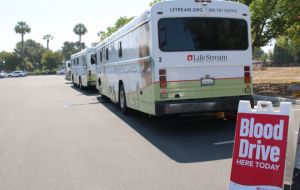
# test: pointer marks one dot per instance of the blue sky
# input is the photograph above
(58, 17)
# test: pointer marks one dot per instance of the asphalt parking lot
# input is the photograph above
(54, 136)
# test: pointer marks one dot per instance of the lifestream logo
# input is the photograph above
(207, 58)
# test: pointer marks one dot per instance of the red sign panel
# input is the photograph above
(259, 151)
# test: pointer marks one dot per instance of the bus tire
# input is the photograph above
(122, 100)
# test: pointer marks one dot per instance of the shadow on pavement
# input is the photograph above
(86, 91)
(184, 139)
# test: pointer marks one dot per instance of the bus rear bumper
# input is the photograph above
(200, 105)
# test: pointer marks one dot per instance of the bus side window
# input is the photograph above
(83, 61)
(101, 56)
(77, 61)
(93, 59)
(107, 57)
(120, 49)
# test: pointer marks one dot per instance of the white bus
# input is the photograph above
(179, 57)
(83, 68)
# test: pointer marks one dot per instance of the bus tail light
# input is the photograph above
(247, 69)
(247, 77)
(162, 72)
(162, 78)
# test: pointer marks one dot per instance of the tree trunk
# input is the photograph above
(48, 44)
(22, 45)
(79, 39)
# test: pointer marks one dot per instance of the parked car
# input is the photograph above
(61, 72)
(3, 74)
(17, 74)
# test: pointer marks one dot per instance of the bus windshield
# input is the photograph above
(202, 34)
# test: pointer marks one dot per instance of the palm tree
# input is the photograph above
(48, 37)
(22, 28)
(80, 30)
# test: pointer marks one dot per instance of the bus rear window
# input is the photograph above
(202, 34)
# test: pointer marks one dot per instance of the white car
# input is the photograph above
(16, 74)
(25, 73)
(61, 72)
(3, 74)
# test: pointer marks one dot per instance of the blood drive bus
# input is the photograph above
(178, 57)
(83, 68)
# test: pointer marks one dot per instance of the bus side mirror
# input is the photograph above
(69, 65)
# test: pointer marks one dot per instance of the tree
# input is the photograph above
(51, 60)
(9, 61)
(22, 28)
(258, 54)
(111, 29)
(122, 21)
(293, 36)
(48, 37)
(282, 54)
(153, 2)
(271, 18)
(70, 48)
(28, 66)
(80, 46)
(290, 42)
(32, 51)
(80, 30)
(104, 34)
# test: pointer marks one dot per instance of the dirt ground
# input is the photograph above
(274, 81)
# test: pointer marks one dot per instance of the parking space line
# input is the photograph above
(222, 143)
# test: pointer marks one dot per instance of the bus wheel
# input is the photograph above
(122, 100)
